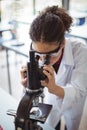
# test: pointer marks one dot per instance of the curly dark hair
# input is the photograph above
(50, 25)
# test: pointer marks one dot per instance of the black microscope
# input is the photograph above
(31, 111)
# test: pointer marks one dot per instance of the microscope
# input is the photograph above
(31, 111)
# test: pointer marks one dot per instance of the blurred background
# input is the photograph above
(15, 19)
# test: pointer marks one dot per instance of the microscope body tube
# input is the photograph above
(32, 72)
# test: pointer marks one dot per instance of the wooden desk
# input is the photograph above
(8, 102)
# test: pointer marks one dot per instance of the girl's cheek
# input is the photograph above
(53, 60)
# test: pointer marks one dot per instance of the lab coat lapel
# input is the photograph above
(67, 60)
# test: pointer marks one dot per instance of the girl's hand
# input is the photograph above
(23, 72)
(1, 128)
(49, 82)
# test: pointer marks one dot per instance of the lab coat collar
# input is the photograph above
(68, 55)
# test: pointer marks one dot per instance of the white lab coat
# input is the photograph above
(72, 76)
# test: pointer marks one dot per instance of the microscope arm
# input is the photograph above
(22, 116)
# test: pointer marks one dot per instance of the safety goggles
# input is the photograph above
(52, 53)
